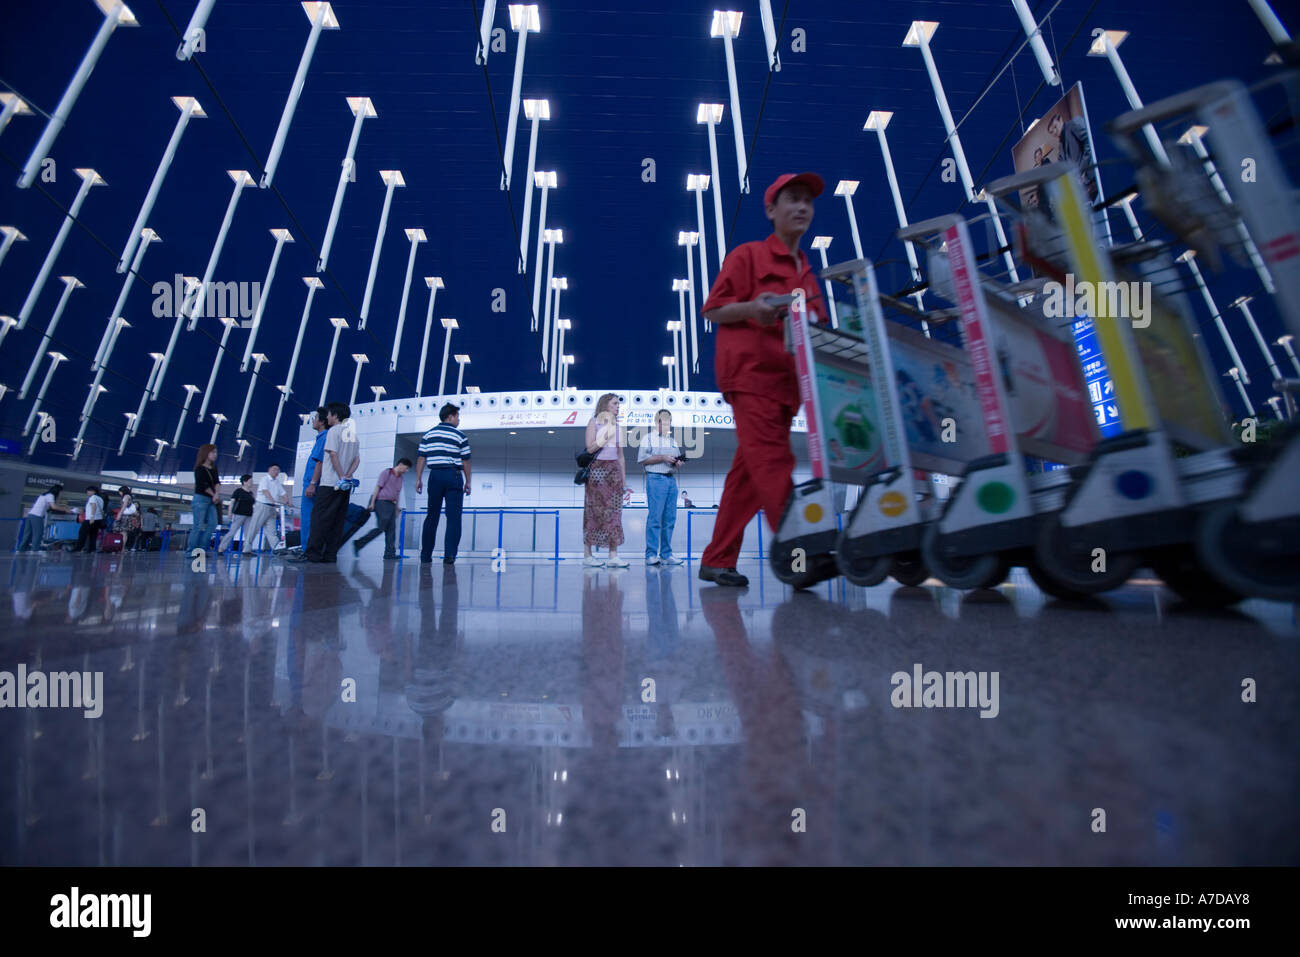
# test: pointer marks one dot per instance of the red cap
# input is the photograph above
(811, 180)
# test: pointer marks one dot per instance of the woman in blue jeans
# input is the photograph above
(206, 498)
(662, 457)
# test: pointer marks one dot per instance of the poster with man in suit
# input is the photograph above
(1061, 135)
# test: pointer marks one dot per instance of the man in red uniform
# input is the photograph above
(754, 372)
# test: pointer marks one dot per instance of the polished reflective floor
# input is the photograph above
(389, 713)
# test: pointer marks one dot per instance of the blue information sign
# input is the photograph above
(1101, 391)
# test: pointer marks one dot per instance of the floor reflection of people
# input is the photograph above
(23, 591)
(663, 638)
(432, 690)
(602, 661)
(595, 808)
(377, 623)
(79, 592)
(775, 779)
(314, 661)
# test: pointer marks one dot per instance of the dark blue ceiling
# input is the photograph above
(623, 83)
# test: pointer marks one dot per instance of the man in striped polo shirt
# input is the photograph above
(446, 449)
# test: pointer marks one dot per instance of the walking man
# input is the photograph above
(754, 371)
(383, 502)
(330, 510)
(270, 496)
(92, 522)
(446, 449)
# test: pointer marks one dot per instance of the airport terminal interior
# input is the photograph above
(957, 523)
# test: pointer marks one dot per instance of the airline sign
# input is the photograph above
(719, 417)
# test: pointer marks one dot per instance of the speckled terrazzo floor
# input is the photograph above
(504, 718)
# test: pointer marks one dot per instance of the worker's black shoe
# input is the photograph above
(723, 576)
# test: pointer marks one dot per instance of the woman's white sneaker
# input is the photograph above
(616, 562)
(591, 561)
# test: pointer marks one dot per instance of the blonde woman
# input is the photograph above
(602, 514)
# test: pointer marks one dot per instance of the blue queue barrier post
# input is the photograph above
(500, 513)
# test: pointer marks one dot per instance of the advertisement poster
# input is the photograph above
(1061, 135)
(1042, 380)
(850, 422)
(1188, 401)
(935, 383)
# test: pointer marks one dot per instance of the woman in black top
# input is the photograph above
(206, 498)
(241, 512)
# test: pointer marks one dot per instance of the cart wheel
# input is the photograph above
(1049, 585)
(866, 572)
(965, 571)
(781, 557)
(1184, 576)
(1258, 559)
(1065, 556)
(909, 572)
(819, 567)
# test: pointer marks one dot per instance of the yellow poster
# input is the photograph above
(1187, 403)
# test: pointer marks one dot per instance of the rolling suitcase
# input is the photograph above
(110, 541)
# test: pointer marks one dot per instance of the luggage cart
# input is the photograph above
(1222, 522)
(1134, 501)
(802, 552)
(1245, 526)
(883, 403)
(1031, 400)
(921, 402)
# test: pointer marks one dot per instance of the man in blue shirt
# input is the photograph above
(312, 473)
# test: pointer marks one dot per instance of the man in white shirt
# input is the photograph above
(267, 501)
(92, 522)
(662, 457)
(330, 509)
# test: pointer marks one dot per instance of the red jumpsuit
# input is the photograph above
(757, 378)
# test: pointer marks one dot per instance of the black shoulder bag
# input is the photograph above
(584, 460)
